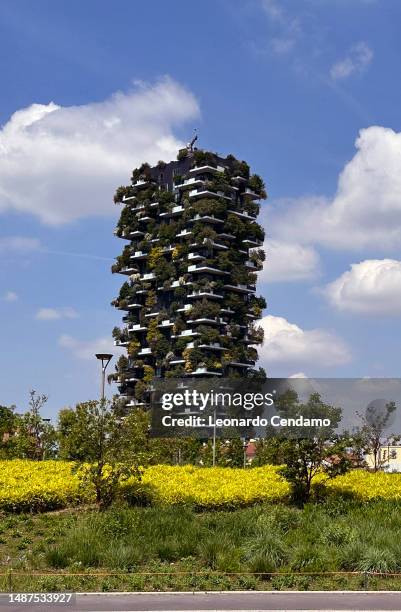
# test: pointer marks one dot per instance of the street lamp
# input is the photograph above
(105, 358)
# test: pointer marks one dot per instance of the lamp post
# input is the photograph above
(105, 358)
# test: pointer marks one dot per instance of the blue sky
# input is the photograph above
(286, 85)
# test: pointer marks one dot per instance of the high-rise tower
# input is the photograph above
(192, 253)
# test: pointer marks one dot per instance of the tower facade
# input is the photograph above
(193, 248)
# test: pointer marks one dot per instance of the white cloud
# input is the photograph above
(298, 375)
(64, 163)
(87, 349)
(366, 209)
(357, 60)
(287, 28)
(18, 244)
(372, 287)
(10, 296)
(51, 314)
(287, 261)
(286, 343)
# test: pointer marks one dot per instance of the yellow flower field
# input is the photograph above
(214, 487)
(366, 485)
(38, 485)
(48, 485)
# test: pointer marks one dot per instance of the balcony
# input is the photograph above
(139, 255)
(204, 242)
(185, 308)
(134, 305)
(251, 265)
(207, 321)
(207, 294)
(204, 372)
(128, 270)
(214, 346)
(227, 236)
(248, 193)
(184, 233)
(239, 364)
(205, 219)
(199, 269)
(227, 311)
(206, 193)
(128, 198)
(121, 342)
(177, 361)
(137, 327)
(145, 351)
(195, 257)
(206, 168)
(136, 234)
(186, 333)
(166, 323)
(149, 315)
(190, 182)
(146, 218)
(141, 184)
(138, 208)
(243, 214)
(148, 276)
(133, 403)
(253, 242)
(176, 210)
(241, 288)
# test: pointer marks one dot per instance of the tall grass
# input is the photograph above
(262, 539)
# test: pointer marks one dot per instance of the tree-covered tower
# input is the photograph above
(190, 262)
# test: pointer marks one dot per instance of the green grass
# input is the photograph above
(188, 550)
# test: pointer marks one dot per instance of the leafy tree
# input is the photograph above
(8, 425)
(35, 437)
(96, 438)
(323, 451)
(372, 435)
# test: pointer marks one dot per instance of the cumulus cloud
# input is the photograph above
(371, 287)
(287, 344)
(10, 296)
(286, 261)
(366, 209)
(18, 244)
(64, 163)
(51, 314)
(86, 349)
(356, 62)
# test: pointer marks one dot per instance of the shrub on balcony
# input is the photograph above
(165, 197)
(182, 154)
(164, 270)
(167, 232)
(142, 173)
(204, 158)
(256, 334)
(255, 231)
(148, 374)
(208, 334)
(204, 309)
(209, 206)
(258, 256)
(153, 335)
(121, 192)
(257, 185)
(116, 333)
(234, 225)
(134, 348)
